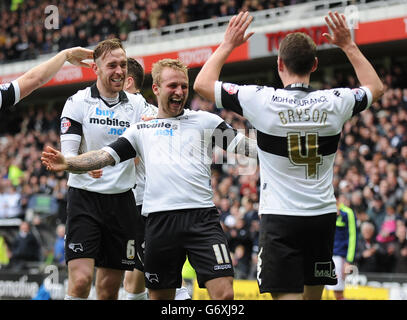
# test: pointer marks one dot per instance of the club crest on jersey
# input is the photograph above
(230, 88)
(4, 86)
(65, 124)
(359, 94)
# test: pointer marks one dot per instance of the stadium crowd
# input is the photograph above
(85, 23)
(370, 171)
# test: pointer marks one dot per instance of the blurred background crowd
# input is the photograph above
(85, 22)
(370, 172)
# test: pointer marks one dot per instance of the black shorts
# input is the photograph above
(140, 240)
(102, 227)
(173, 235)
(295, 251)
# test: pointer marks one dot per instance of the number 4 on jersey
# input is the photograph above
(308, 157)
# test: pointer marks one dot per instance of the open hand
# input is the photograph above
(341, 35)
(76, 56)
(53, 160)
(235, 32)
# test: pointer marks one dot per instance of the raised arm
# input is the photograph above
(341, 37)
(234, 36)
(54, 160)
(41, 74)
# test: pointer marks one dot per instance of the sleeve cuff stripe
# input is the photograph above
(218, 94)
(369, 96)
(112, 153)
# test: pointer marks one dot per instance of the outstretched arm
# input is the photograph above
(54, 160)
(341, 37)
(234, 37)
(41, 74)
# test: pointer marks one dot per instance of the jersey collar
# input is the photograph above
(299, 86)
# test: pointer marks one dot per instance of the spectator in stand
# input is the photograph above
(368, 252)
(377, 211)
(59, 245)
(344, 245)
(12, 202)
(25, 248)
(240, 243)
(400, 248)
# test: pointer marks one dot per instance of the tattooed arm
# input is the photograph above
(91, 160)
(54, 160)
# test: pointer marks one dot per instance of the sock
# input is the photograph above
(182, 294)
(67, 297)
(137, 296)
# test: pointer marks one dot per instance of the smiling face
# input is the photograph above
(171, 91)
(111, 70)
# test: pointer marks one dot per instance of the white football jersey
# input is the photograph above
(298, 130)
(177, 154)
(140, 169)
(92, 123)
(9, 94)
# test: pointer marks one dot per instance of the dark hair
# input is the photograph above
(106, 46)
(298, 52)
(136, 71)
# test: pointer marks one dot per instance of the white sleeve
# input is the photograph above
(70, 145)
(73, 109)
(16, 91)
(248, 101)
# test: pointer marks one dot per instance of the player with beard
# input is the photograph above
(181, 217)
(101, 226)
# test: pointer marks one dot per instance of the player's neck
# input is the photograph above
(292, 79)
(106, 93)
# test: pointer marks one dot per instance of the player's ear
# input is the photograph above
(128, 83)
(280, 64)
(155, 89)
(315, 66)
(94, 67)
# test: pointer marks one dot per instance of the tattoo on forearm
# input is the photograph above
(88, 161)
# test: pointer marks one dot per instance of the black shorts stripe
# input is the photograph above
(279, 145)
(123, 148)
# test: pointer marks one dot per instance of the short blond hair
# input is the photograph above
(167, 63)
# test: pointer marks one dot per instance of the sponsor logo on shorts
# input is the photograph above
(128, 262)
(324, 270)
(75, 247)
(222, 266)
(152, 277)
